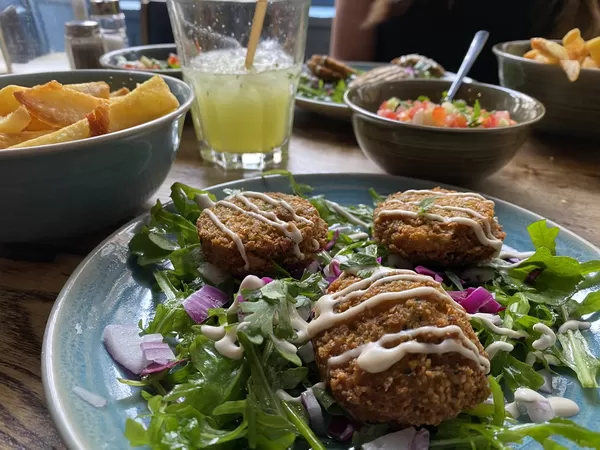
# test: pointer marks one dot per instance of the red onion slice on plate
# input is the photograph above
(198, 303)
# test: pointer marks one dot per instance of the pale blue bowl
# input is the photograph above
(60, 190)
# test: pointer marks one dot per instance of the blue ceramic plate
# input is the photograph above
(107, 288)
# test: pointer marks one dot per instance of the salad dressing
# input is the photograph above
(546, 340)
(498, 346)
(532, 357)
(573, 325)
(529, 401)
(212, 332)
(491, 321)
(227, 346)
(345, 214)
(485, 236)
(234, 237)
(375, 357)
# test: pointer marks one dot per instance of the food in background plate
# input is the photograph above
(53, 113)
(456, 114)
(327, 78)
(145, 63)
(573, 55)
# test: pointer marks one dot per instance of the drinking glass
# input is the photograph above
(242, 117)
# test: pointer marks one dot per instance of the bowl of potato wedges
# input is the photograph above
(563, 74)
(82, 150)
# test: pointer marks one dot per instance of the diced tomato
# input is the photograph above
(403, 116)
(490, 122)
(388, 114)
(439, 116)
(460, 121)
(502, 115)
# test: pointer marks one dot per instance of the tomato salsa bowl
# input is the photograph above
(469, 141)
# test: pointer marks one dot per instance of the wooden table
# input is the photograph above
(557, 179)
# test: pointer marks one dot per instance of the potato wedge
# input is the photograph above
(571, 68)
(593, 46)
(78, 130)
(151, 100)
(38, 125)
(531, 54)
(57, 105)
(119, 93)
(10, 139)
(16, 121)
(589, 63)
(8, 102)
(98, 89)
(549, 48)
(545, 59)
(571, 36)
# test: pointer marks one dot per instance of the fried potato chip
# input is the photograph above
(10, 139)
(16, 121)
(99, 89)
(8, 102)
(531, 54)
(78, 130)
(151, 100)
(38, 125)
(571, 36)
(549, 48)
(119, 93)
(571, 68)
(57, 105)
(545, 59)
(589, 63)
(593, 46)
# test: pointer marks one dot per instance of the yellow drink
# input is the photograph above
(243, 111)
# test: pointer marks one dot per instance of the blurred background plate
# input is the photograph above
(157, 51)
(109, 288)
(340, 110)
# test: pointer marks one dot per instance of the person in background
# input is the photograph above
(381, 30)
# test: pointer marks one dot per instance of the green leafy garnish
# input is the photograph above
(426, 204)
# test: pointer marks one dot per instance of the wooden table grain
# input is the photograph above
(559, 179)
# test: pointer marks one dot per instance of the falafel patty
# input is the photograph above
(439, 226)
(248, 232)
(408, 353)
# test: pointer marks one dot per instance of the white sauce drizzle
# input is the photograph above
(249, 283)
(288, 229)
(373, 357)
(345, 214)
(546, 340)
(490, 321)
(573, 325)
(540, 408)
(204, 201)
(234, 237)
(498, 346)
(227, 346)
(563, 407)
(358, 236)
(532, 357)
(316, 245)
(213, 333)
(509, 252)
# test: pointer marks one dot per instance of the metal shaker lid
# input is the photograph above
(104, 7)
(82, 28)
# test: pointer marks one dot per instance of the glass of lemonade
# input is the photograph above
(242, 117)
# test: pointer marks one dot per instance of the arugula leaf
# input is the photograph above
(589, 305)
(146, 249)
(498, 396)
(301, 190)
(476, 115)
(543, 236)
(516, 373)
(426, 204)
(363, 257)
(184, 198)
(169, 321)
(590, 267)
(575, 353)
(136, 433)
(173, 224)
(454, 279)
(377, 198)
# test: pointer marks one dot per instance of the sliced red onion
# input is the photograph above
(400, 440)
(155, 367)
(213, 274)
(530, 279)
(152, 338)
(158, 355)
(379, 260)
(151, 345)
(123, 343)
(267, 280)
(93, 399)
(332, 242)
(421, 440)
(476, 300)
(340, 428)
(513, 260)
(332, 271)
(198, 303)
(313, 267)
(425, 271)
(307, 352)
(315, 413)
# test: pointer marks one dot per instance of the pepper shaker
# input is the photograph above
(112, 23)
(83, 43)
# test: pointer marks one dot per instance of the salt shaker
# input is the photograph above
(112, 23)
(83, 44)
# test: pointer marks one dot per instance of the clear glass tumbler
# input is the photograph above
(243, 117)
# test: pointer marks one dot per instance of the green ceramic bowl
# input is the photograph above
(571, 107)
(442, 154)
(157, 51)
(56, 191)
